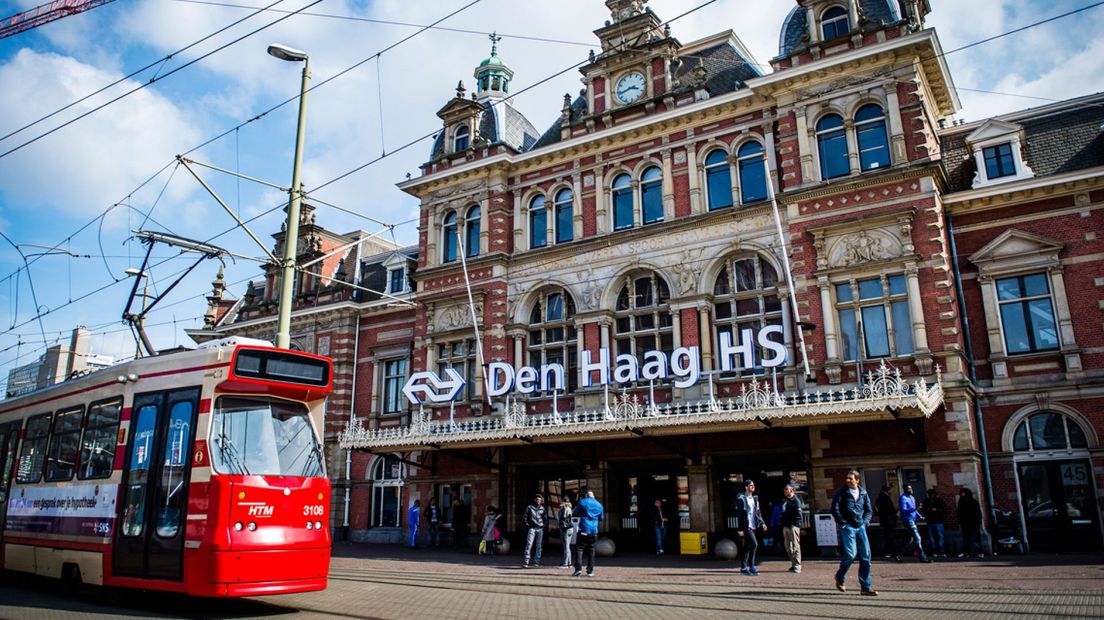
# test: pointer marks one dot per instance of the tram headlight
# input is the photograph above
(238, 526)
(252, 527)
(310, 526)
(317, 525)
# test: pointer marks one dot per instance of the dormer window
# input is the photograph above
(461, 140)
(396, 279)
(998, 161)
(834, 23)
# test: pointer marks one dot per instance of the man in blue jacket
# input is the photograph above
(909, 515)
(852, 511)
(589, 512)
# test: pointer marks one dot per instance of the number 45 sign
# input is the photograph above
(1074, 473)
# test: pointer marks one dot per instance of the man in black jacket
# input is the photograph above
(791, 526)
(659, 522)
(969, 519)
(852, 510)
(886, 509)
(534, 537)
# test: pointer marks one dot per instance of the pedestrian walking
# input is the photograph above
(749, 521)
(969, 520)
(534, 536)
(590, 512)
(461, 522)
(909, 515)
(659, 522)
(935, 511)
(852, 510)
(489, 535)
(566, 519)
(886, 509)
(791, 526)
(433, 520)
(413, 517)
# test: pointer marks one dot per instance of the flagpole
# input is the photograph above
(471, 306)
(786, 264)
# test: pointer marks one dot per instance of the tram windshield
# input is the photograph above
(259, 436)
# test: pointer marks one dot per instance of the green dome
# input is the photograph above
(493, 60)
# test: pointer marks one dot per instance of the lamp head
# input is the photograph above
(284, 52)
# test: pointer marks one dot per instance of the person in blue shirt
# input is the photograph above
(413, 517)
(589, 512)
(909, 514)
(852, 510)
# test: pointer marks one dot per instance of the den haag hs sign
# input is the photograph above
(683, 364)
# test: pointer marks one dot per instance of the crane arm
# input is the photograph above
(44, 14)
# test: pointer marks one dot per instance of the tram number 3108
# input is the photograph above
(313, 511)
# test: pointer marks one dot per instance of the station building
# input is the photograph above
(935, 286)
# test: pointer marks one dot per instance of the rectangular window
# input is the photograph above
(460, 356)
(834, 160)
(61, 456)
(397, 278)
(998, 161)
(32, 455)
(622, 209)
(1027, 314)
(97, 452)
(877, 324)
(394, 376)
(651, 199)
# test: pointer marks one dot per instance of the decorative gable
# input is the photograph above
(1009, 138)
(1015, 251)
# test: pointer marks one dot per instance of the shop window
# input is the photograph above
(873, 141)
(460, 356)
(622, 202)
(874, 318)
(999, 161)
(387, 485)
(538, 223)
(651, 195)
(32, 454)
(552, 335)
(753, 172)
(61, 457)
(642, 320)
(565, 216)
(471, 232)
(718, 180)
(462, 139)
(1048, 431)
(394, 376)
(1027, 314)
(832, 147)
(834, 23)
(97, 452)
(745, 296)
(448, 238)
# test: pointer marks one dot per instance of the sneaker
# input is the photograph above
(896, 558)
(840, 586)
(887, 557)
(744, 570)
(869, 592)
(525, 566)
(577, 573)
(795, 569)
(961, 555)
(754, 571)
(590, 574)
(981, 556)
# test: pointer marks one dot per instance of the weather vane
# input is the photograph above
(494, 43)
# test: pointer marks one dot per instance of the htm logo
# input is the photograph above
(261, 511)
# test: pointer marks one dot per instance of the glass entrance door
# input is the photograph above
(1059, 505)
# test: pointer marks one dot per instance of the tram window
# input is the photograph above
(264, 437)
(171, 503)
(97, 452)
(134, 511)
(61, 456)
(32, 456)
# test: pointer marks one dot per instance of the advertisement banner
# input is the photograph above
(82, 510)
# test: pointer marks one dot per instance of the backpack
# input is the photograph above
(566, 522)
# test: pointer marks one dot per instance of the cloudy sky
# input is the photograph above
(121, 158)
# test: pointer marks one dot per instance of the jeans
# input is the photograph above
(972, 535)
(792, 540)
(413, 536)
(935, 535)
(750, 550)
(916, 540)
(585, 546)
(434, 534)
(534, 537)
(661, 536)
(566, 536)
(854, 543)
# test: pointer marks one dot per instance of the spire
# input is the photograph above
(492, 76)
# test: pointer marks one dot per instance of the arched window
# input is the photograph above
(745, 296)
(552, 335)
(538, 223)
(1048, 431)
(651, 195)
(870, 130)
(565, 216)
(622, 202)
(753, 172)
(718, 180)
(461, 139)
(832, 147)
(387, 483)
(643, 321)
(834, 23)
(471, 232)
(448, 238)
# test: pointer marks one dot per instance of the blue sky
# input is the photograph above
(54, 186)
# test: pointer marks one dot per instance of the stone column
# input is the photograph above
(519, 348)
(896, 127)
(521, 225)
(577, 206)
(916, 309)
(601, 203)
(806, 141)
(700, 510)
(705, 328)
(694, 177)
(832, 364)
(668, 187)
(852, 146)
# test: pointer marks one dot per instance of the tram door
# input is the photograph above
(149, 536)
(9, 436)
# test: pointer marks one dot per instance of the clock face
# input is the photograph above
(630, 87)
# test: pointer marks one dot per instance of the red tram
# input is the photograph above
(198, 472)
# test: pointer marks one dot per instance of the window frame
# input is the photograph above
(468, 360)
(56, 435)
(538, 232)
(89, 429)
(830, 134)
(568, 344)
(760, 294)
(833, 21)
(25, 444)
(383, 483)
(620, 192)
(463, 132)
(744, 162)
(391, 385)
(866, 128)
(472, 228)
(1029, 435)
(402, 280)
(563, 206)
(654, 187)
(999, 159)
(1023, 301)
(658, 309)
(887, 301)
(450, 246)
(717, 168)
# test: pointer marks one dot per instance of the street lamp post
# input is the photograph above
(291, 235)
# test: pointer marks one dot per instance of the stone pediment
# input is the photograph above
(993, 129)
(397, 260)
(1016, 250)
(459, 108)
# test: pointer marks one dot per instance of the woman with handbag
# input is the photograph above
(567, 532)
(490, 533)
